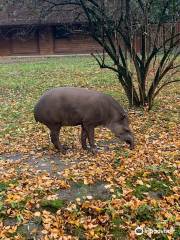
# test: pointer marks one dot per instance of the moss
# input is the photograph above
(118, 191)
(117, 162)
(3, 186)
(41, 193)
(145, 213)
(52, 205)
(161, 187)
(18, 205)
(176, 234)
(117, 221)
(161, 237)
(157, 182)
(2, 210)
(162, 171)
(21, 204)
(79, 232)
(119, 233)
(140, 190)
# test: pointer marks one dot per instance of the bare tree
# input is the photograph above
(117, 25)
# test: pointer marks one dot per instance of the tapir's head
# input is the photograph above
(121, 130)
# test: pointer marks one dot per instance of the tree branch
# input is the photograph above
(101, 62)
(165, 84)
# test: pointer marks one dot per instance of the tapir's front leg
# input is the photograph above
(83, 138)
(90, 135)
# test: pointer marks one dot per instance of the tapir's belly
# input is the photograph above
(70, 115)
(70, 119)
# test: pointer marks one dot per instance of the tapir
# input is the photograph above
(72, 106)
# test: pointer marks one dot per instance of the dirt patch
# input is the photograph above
(53, 165)
(82, 191)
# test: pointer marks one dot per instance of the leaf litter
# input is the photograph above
(46, 195)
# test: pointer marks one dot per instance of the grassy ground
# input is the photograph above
(80, 196)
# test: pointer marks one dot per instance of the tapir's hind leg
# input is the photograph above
(54, 134)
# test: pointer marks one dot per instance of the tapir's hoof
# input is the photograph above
(65, 147)
(84, 147)
(131, 147)
(61, 149)
(94, 150)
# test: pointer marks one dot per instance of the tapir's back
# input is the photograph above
(71, 95)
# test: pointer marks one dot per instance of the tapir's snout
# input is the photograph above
(130, 140)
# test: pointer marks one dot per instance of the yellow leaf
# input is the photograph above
(140, 182)
(37, 214)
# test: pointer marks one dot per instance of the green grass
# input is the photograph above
(177, 232)
(21, 85)
(5, 185)
(158, 183)
(19, 205)
(145, 213)
(119, 233)
(159, 187)
(52, 205)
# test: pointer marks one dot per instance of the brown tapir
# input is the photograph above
(71, 106)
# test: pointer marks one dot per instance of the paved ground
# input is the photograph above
(32, 58)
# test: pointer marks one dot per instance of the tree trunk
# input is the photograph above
(130, 91)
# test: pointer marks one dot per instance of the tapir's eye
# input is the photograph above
(122, 116)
